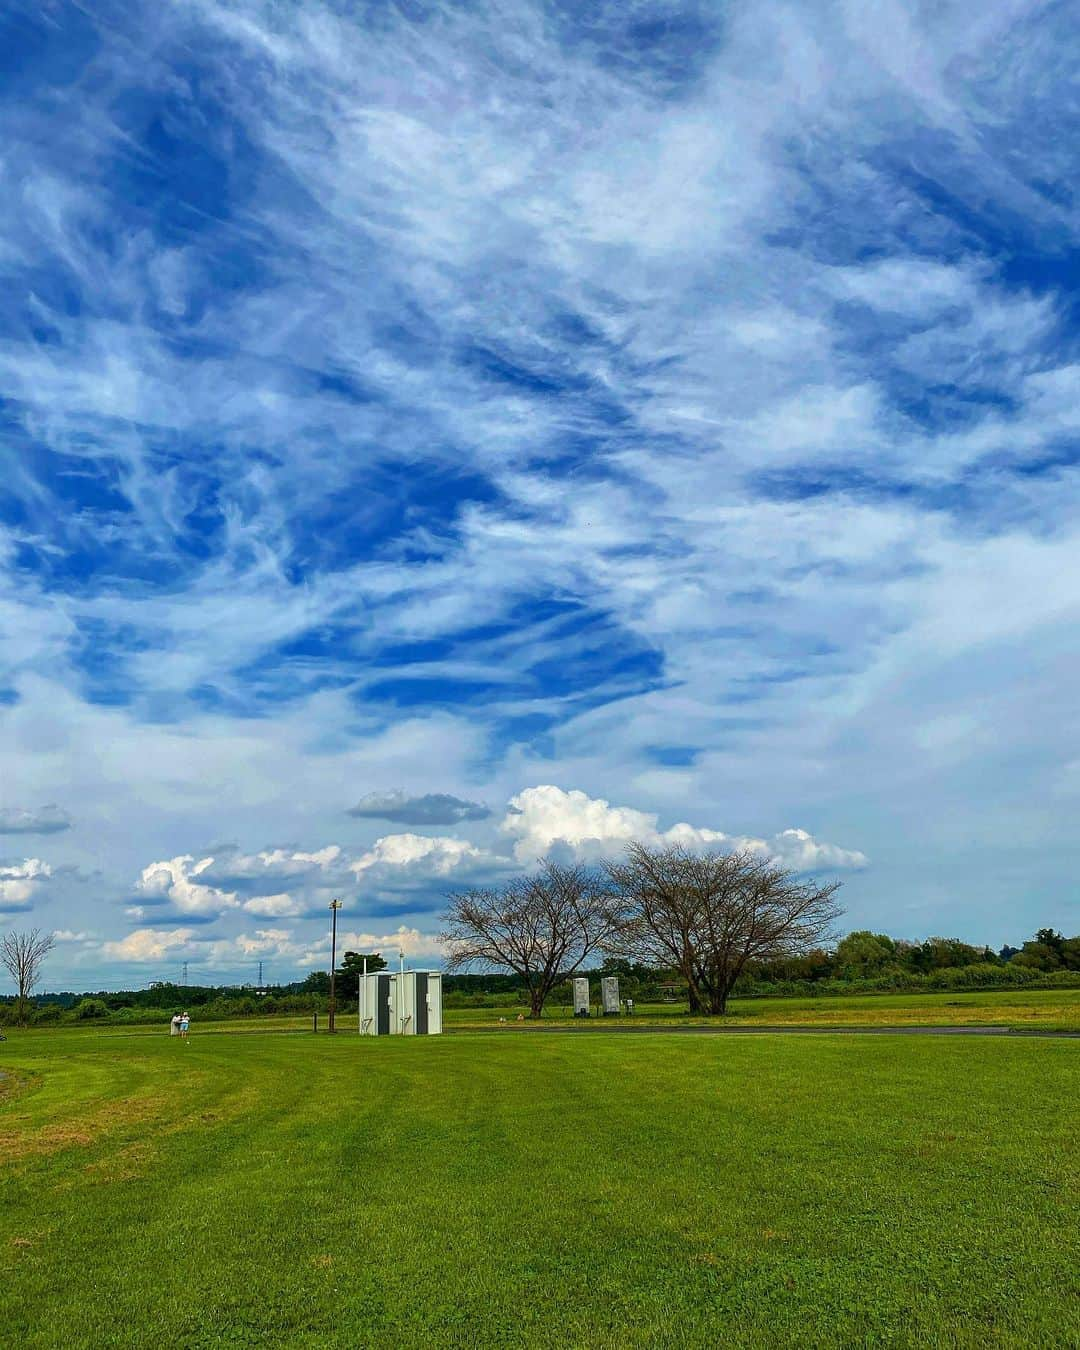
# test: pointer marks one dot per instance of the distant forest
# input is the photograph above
(862, 962)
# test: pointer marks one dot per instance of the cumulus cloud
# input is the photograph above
(20, 882)
(233, 882)
(149, 944)
(541, 817)
(433, 808)
(233, 868)
(544, 819)
(265, 942)
(175, 881)
(405, 939)
(273, 906)
(412, 941)
(49, 819)
(418, 855)
(801, 851)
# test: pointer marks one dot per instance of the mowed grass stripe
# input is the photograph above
(532, 1190)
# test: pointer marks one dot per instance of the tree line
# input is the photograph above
(670, 922)
(23, 955)
(705, 916)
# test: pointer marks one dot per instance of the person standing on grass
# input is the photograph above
(185, 1022)
(174, 1024)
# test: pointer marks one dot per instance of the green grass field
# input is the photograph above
(1029, 1009)
(494, 1189)
(1046, 1009)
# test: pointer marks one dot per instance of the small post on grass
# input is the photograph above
(335, 905)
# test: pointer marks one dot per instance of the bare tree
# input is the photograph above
(22, 955)
(709, 915)
(541, 927)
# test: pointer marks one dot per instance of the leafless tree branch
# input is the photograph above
(541, 927)
(709, 915)
(22, 955)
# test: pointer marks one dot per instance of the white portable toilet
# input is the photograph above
(401, 1003)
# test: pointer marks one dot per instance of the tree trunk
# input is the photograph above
(718, 1002)
(536, 1003)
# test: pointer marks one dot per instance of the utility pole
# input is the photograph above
(335, 905)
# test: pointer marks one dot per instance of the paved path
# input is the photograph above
(624, 1029)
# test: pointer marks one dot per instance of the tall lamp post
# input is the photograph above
(335, 905)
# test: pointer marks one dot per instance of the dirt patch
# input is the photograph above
(13, 1085)
(126, 1164)
(126, 1133)
(18, 1138)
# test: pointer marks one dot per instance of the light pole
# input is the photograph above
(335, 905)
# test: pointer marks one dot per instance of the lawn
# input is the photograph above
(494, 1189)
(1024, 1008)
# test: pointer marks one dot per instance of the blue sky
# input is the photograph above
(434, 435)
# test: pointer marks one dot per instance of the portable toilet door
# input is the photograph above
(434, 1002)
(418, 1025)
(373, 995)
(407, 1009)
(379, 1004)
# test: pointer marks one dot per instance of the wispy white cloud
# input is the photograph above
(509, 398)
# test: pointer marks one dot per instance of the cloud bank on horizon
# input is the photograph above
(399, 870)
(668, 405)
